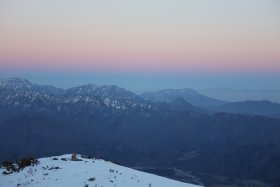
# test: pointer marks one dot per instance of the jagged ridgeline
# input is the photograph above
(118, 125)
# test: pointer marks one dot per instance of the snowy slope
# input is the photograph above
(61, 171)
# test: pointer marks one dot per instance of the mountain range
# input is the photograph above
(236, 95)
(190, 95)
(264, 107)
(115, 124)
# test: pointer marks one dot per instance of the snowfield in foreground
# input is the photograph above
(60, 171)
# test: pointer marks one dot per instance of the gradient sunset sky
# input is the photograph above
(152, 43)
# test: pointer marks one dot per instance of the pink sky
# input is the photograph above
(148, 36)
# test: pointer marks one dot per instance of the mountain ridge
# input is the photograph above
(263, 107)
(139, 133)
(190, 95)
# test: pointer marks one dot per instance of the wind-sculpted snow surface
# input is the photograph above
(62, 171)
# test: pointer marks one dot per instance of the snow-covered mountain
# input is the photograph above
(17, 92)
(19, 84)
(118, 125)
(15, 84)
(106, 91)
(84, 172)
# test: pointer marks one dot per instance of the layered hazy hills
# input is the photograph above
(190, 95)
(21, 93)
(236, 95)
(264, 107)
(21, 90)
(195, 100)
(118, 125)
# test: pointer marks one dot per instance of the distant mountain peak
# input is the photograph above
(15, 83)
(262, 107)
(90, 85)
(86, 89)
(16, 80)
(105, 91)
(181, 91)
(20, 93)
(189, 95)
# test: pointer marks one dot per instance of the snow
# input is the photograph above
(107, 101)
(50, 172)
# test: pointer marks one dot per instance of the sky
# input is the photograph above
(142, 45)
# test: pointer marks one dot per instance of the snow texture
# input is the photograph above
(61, 171)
